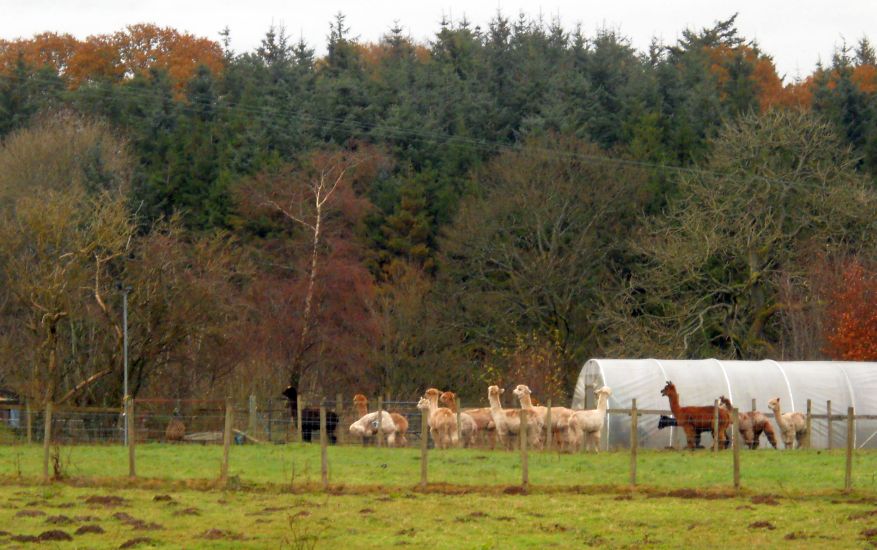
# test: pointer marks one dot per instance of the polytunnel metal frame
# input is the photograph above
(701, 381)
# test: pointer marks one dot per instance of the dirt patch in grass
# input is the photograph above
(406, 532)
(762, 525)
(59, 520)
(623, 497)
(863, 515)
(219, 534)
(514, 490)
(83, 519)
(85, 529)
(301, 514)
(188, 512)
(108, 501)
(366, 511)
(54, 534)
(131, 543)
(5, 533)
(29, 513)
(24, 538)
(137, 524)
(162, 498)
(694, 493)
(504, 518)
(770, 500)
(869, 533)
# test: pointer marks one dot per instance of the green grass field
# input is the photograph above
(274, 499)
(793, 472)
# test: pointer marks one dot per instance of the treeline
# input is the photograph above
(496, 205)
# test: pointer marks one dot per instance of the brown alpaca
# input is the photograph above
(696, 420)
(792, 425)
(175, 428)
(751, 425)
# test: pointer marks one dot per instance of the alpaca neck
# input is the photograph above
(781, 422)
(433, 403)
(452, 404)
(361, 409)
(526, 403)
(495, 405)
(674, 402)
(602, 404)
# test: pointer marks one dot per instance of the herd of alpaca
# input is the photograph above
(699, 419)
(570, 428)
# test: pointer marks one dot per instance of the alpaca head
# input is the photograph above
(448, 398)
(432, 394)
(604, 391)
(669, 389)
(521, 390)
(495, 391)
(774, 403)
(423, 404)
(360, 399)
(725, 402)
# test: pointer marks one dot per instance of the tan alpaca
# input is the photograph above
(501, 420)
(792, 425)
(751, 425)
(585, 426)
(442, 421)
(360, 403)
(559, 415)
(536, 416)
(468, 426)
(367, 425)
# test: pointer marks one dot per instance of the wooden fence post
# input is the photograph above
(525, 467)
(380, 421)
(634, 440)
(809, 420)
(459, 424)
(549, 433)
(828, 412)
(324, 443)
(715, 426)
(299, 405)
(339, 410)
(47, 440)
(735, 446)
(28, 421)
(132, 437)
(226, 440)
(252, 415)
(753, 405)
(851, 436)
(424, 446)
(270, 418)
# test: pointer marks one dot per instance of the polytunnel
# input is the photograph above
(700, 382)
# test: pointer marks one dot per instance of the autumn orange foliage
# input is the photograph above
(851, 327)
(116, 56)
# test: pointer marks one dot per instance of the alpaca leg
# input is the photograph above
(596, 439)
(691, 435)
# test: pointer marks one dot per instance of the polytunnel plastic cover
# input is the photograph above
(700, 382)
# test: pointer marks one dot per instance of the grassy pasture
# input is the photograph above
(792, 472)
(250, 519)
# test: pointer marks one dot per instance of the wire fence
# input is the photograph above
(253, 428)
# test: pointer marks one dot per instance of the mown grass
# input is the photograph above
(246, 519)
(786, 472)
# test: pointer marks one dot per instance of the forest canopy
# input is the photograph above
(495, 205)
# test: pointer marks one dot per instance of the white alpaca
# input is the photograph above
(508, 421)
(793, 425)
(360, 403)
(535, 418)
(367, 426)
(442, 421)
(586, 425)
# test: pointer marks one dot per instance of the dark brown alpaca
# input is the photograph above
(696, 420)
(752, 424)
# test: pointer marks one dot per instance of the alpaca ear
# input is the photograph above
(502, 390)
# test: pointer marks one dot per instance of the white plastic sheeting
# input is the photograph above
(700, 382)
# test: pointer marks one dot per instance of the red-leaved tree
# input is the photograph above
(851, 327)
